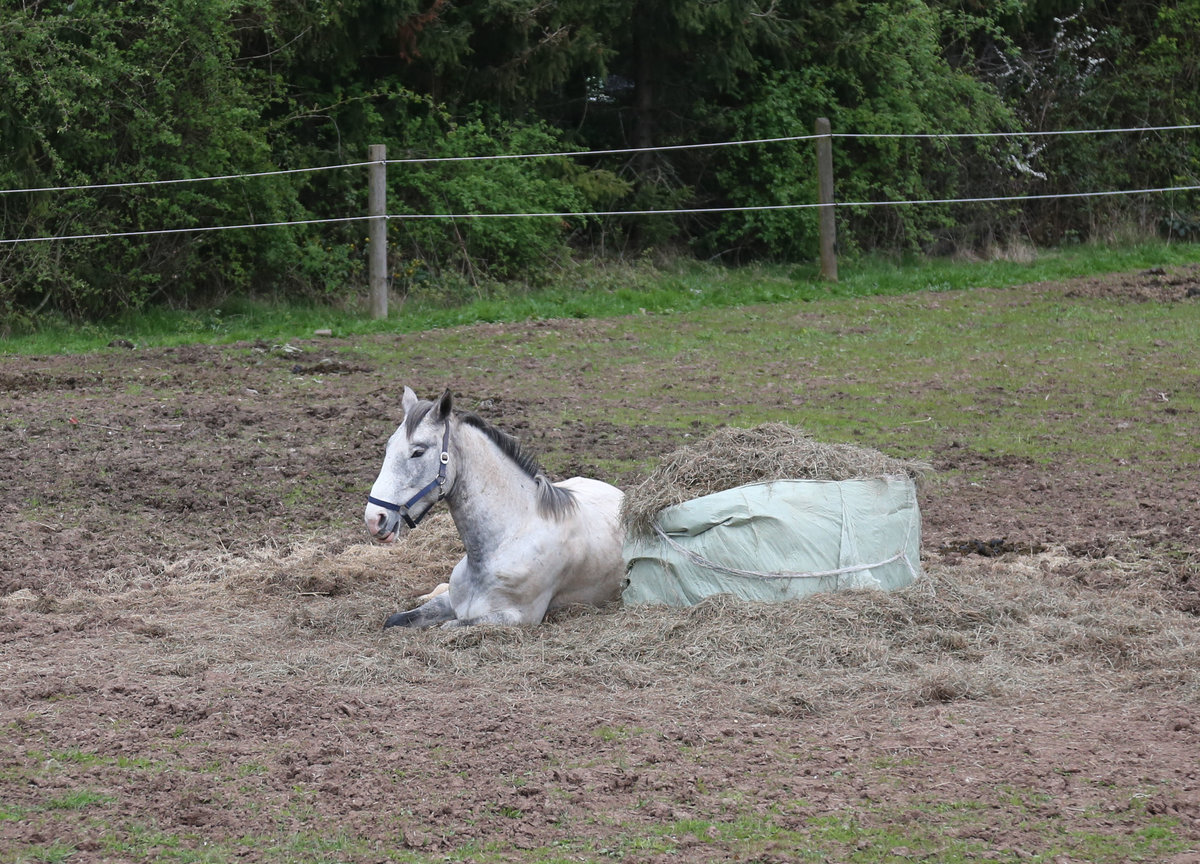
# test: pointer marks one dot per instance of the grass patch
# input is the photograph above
(889, 838)
(594, 291)
(884, 840)
(48, 853)
(902, 374)
(79, 799)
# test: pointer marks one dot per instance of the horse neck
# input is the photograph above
(492, 496)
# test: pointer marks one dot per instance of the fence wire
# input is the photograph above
(593, 213)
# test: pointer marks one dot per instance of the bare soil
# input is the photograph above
(191, 666)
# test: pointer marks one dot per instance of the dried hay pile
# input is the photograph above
(735, 457)
(1048, 626)
(1018, 628)
(319, 568)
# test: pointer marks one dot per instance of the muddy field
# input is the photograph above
(191, 666)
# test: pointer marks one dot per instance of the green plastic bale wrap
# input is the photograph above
(779, 540)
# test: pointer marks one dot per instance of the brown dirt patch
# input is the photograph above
(191, 665)
(1156, 285)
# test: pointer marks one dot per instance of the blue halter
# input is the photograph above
(436, 483)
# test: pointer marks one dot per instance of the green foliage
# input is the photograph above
(1103, 65)
(481, 249)
(94, 92)
(99, 93)
(920, 93)
(775, 174)
(889, 75)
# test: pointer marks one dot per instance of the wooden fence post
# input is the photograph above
(826, 223)
(377, 257)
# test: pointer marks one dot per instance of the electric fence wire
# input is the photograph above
(592, 213)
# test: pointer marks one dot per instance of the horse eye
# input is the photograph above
(418, 452)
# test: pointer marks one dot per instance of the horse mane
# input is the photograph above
(553, 500)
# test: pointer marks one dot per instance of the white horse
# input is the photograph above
(532, 545)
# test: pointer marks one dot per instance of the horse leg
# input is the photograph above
(436, 611)
(500, 618)
(505, 618)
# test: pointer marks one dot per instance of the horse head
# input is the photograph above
(416, 471)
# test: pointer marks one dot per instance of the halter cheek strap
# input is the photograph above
(437, 482)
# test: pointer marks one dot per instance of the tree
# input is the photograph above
(98, 93)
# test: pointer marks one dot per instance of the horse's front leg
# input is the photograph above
(503, 612)
(436, 611)
(502, 618)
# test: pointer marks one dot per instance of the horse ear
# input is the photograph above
(444, 404)
(408, 401)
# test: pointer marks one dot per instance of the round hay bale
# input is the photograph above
(770, 514)
(736, 457)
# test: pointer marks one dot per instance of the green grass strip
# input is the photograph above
(592, 291)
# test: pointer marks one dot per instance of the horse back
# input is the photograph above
(594, 495)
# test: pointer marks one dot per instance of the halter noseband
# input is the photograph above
(436, 483)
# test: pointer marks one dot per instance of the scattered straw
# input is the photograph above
(734, 457)
(984, 629)
(1049, 626)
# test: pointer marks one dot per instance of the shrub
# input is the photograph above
(124, 93)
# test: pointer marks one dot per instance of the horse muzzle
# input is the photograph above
(384, 525)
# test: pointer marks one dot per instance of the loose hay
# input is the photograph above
(1014, 628)
(425, 558)
(981, 630)
(734, 457)
(1028, 627)
(315, 566)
